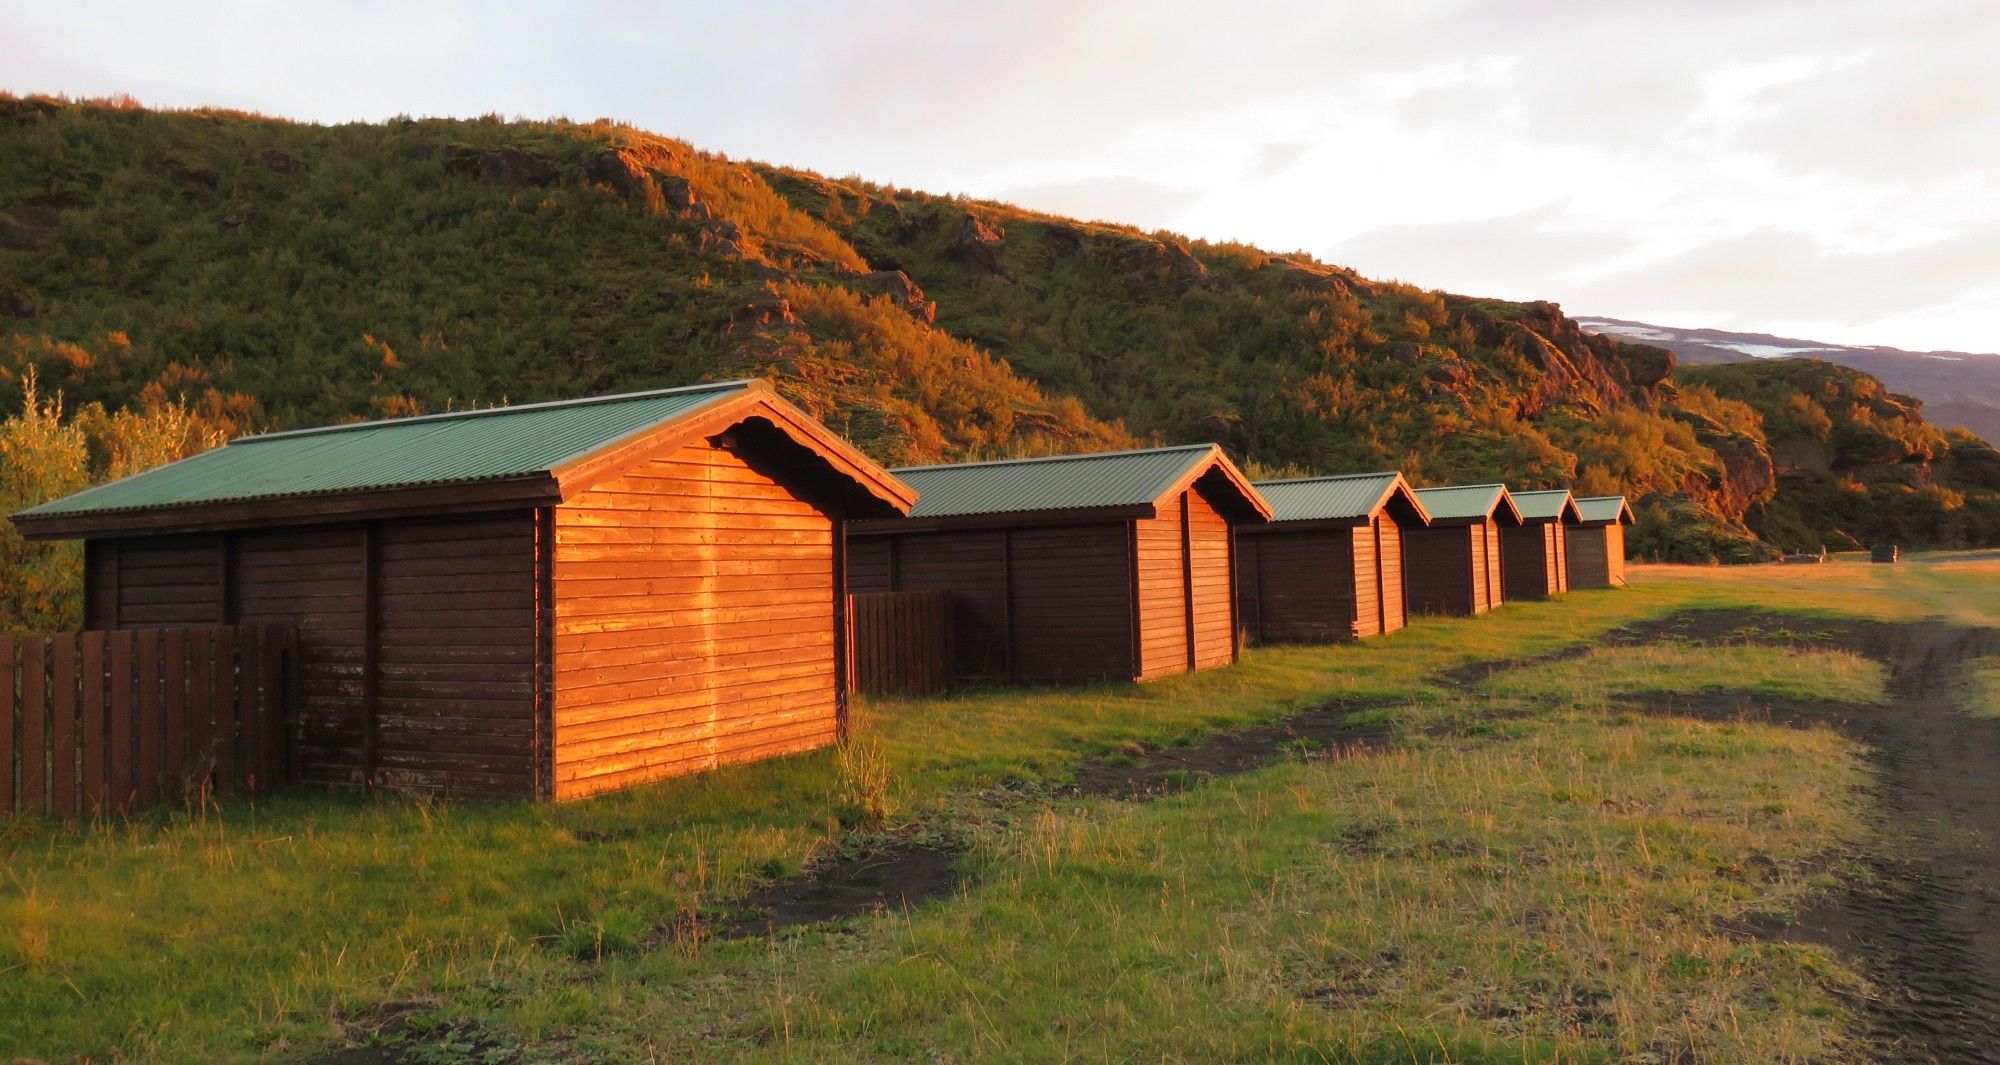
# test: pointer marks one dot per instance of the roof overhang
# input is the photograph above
(847, 479)
(1226, 487)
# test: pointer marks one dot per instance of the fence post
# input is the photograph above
(8, 713)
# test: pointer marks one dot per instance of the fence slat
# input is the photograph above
(95, 792)
(174, 668)
(222, 724)
(201, 689)
(901, 642)
(147, 709)
(34, 724)
(62, 725)
(246, 739)
(124, 783)
(8, 705)
(271, 762)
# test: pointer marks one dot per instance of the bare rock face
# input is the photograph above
(723, 237)
(981, 245)
(1168, 260)
(764, 312)
(1644, 364)
(615, 171)
(508, 168)
(897, 286)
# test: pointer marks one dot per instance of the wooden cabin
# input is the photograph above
(1597, 542)
(1534, 555)
(548, 600)
(1329, 564)
(1115, 566)
(1452, 564)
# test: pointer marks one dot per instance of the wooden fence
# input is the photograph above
(901, 642)
(106, 722)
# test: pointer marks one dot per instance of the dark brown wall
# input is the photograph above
(1589, 555)
(1039, 604)
(452, 614)
(1438, 572)
(1301, 585)
(1530, 560)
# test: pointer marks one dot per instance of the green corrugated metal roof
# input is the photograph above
(434, 449)
(1541, 506)
(1601, 508)
(1461, 502)
(1061, 482)
(1341, 498)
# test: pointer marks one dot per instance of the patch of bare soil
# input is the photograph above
(1325, 731)
(891, 877)
(1925, 925)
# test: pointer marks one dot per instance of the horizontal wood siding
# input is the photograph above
(1298, 586)
(1214, 598)
(1588, 556)
(1485, 567)
(455, 658)
(169, 580)
(1527, 561)
(1438, 569)
(1363, 575)
(868, 568)
(1072, 613)
(1614, 555)
(1162, 595)
(314, 581)
(1395, 611)
(694, 623)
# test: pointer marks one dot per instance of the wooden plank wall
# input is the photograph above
(1528, 560)
(972, 565)
(1070, 614)
(902, 642)
(1438, 567)
(170, 580)
(1187, 609)
(694, 627)
(1486, 587)
(454, 662)
(1213, 596)
(1614, 555)
(1588, 556)
(314, 580)
(1300, 586)
(1395, 612)
(104, 722)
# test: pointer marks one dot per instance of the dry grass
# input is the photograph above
(1835, 676)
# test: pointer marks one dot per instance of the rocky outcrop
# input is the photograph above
(1165, 261)
(763, 312)
(981, 245)
(507, 167)
(897, 285)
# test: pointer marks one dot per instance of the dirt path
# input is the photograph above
(1926, 928)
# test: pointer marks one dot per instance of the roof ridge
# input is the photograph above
(459, 415)
(900, 470)
(1327, 477)
(1455, 487)
(1582, 498)
(1539, 492)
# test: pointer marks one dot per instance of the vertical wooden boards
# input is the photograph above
(902, 642)
(96, 791)
(9, 713)
(149, 715)
(123, 779)
(62, 725)
(972, 565)
(695, 619)
(34, 722)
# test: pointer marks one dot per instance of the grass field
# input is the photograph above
(1524, 876)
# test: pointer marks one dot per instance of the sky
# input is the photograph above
(1824, 169)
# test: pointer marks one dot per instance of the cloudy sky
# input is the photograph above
(1827, 169)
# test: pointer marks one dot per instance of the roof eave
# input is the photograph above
(527, 490)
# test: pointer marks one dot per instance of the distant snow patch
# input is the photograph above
(1767, 351)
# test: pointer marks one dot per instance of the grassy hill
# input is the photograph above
(264, 272)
